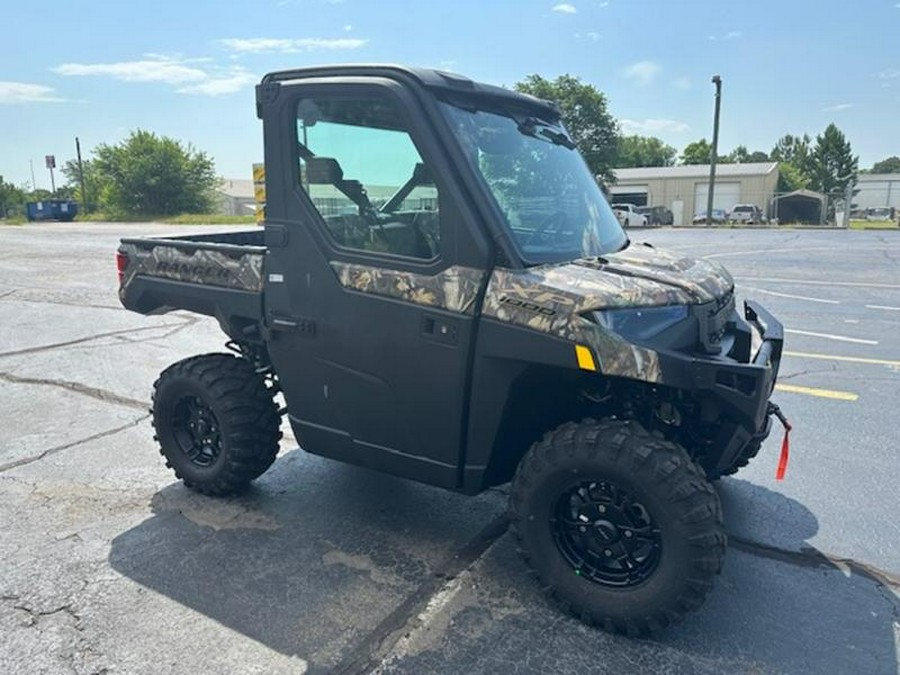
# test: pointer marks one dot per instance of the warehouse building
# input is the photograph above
(684, 189)
(877, 190)
(234, 197)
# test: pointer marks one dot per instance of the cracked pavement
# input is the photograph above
(107, 565)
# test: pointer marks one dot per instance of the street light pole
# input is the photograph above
(714, 153)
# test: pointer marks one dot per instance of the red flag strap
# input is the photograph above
(785, 444)
(785, 454)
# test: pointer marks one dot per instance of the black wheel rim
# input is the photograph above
(196, 431)
(606, 534)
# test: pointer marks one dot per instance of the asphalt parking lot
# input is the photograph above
(107, 565)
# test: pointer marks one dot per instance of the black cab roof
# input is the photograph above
(436, 80)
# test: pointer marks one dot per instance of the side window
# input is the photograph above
(363, 173)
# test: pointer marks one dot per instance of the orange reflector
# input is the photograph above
(585, 358)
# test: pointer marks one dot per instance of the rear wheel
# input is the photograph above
(621, 527)
(216, 422)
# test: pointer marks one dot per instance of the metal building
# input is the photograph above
(684, 189)
(876, 190)
(234, 197)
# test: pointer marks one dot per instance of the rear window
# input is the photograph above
(739, 209)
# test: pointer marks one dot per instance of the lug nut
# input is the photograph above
(601, 508)
(607, 553)
(628, 534)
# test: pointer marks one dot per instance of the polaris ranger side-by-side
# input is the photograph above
(441, 292)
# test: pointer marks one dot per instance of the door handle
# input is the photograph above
(306, 327)
(439, 329)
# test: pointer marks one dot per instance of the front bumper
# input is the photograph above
(741, 389)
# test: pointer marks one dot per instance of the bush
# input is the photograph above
(148, 174)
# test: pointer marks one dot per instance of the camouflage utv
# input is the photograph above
(441, 292)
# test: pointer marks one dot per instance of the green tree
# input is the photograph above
(793, 149)
(832, 162)
(11, 198)
(794, 157)
(737, 156)
(584, 112)
(148, 174)
(889, 165)
(697, 152)
(791, 178)
(644, 151)
(93, 182)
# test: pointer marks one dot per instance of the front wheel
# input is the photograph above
(621, 527)
(216, 422)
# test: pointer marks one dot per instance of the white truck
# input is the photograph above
(628, 215)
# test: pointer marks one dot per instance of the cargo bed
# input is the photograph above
(219, 275)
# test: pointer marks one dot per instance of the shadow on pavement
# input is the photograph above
(799, 614)
(318, 553)
(309, 560)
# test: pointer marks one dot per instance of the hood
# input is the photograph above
(698, 280)
(549, 297)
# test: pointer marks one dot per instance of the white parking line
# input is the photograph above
(788, 295)
(890, 309)
(829, 336)
(769, 251)
(801, 282)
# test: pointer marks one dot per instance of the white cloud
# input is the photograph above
(730, 35)
(603, 4)
(185, 74)
(653, 126)
(154, 69)
(682, 83)
(888, 74)
(24, 92)
(289, 45)
(642, 72)
(218, 85)
(593, 36)
(838, 106)
(348, 27)
(564, 8)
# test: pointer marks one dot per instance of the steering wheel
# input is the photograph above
(541, 233)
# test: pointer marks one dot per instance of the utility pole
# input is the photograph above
(33, 184)
(84, 199)
(716, 80)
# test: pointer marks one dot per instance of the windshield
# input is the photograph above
(549, 199)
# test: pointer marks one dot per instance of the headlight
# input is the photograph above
(642, 323)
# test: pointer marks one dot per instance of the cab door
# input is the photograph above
(374, 275)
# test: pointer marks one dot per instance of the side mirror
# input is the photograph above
(323, 171)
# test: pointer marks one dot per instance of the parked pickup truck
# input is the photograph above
(629, 216)
(747, 214)
(441, 292)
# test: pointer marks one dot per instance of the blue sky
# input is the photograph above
(186, 69)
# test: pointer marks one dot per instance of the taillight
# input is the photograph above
(121, 264)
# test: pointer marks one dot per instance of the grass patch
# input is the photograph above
(873, 225)
(183, 219)
(13, 220)
(209, 219)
